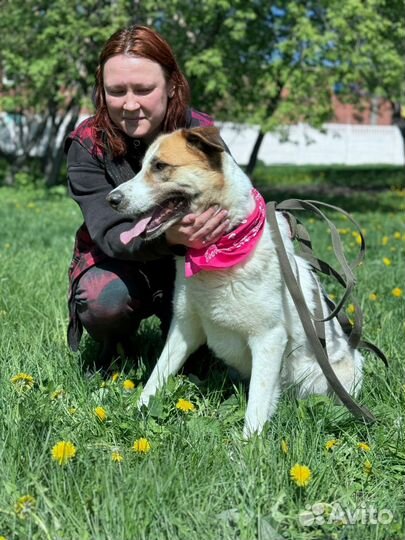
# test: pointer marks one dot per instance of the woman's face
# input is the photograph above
(137, 95)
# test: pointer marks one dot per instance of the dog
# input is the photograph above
(239, 306)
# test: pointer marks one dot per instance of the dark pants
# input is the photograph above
(113, 297)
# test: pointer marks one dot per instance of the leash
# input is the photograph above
(314, 326)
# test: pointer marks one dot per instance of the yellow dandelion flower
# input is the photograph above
(63, 451)
(397, 235)
(343, 231)
(117, 457)
(363, 446)
(58, 394)
(387, 261)
(115, 376)
(373, 297)
(300, 474)
(329, 445)
(284, 446)
(332, 296)
(397, 292)
(3, 538)
(23, 381)
(128, 385)
(351, 308)
(368, 467)
(24, 505)
(72, 410)
(185, 405)
(141, 446)
(385, 240)
(101, 414)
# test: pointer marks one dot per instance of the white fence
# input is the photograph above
(339, 144)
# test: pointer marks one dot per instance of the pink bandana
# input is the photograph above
(232, 248)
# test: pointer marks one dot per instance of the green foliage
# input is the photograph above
(252, 62)
(200, 480)
(359, 177)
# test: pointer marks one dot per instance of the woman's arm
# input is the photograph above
(89, 187)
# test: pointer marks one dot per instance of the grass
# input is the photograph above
(200, 480)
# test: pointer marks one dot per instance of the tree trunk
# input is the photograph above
(54, 165)
(255, 152)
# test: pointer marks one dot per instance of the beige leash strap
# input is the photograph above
(319, 347)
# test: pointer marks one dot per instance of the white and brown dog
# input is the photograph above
(235, 300)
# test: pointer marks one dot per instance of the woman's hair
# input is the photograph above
(145, 42)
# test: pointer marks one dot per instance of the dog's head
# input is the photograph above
(182, 172)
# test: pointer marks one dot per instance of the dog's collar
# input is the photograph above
(234, 247)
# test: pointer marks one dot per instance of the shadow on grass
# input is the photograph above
(203, 367)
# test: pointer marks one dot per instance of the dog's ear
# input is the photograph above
(206, 139)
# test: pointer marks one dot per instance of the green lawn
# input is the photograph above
(199, 480)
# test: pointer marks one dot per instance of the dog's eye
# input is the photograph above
(159, 165)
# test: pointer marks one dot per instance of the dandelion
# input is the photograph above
(24, 505)
(363, 446)
(101, 414)
(387, 261)
(385, 240)
(185, 406)
(284, 446)
(23, 381)
(351, 308)
(373, 297)
(397, 235)
(300, 474)
(115, 376)
(343, 231)
(63, 451)
(368, 467)
(58, 394)
(128, 385)
(397, 292)
(116, 456)
(3, 538)
(141, 446)
(332, 297)
(72, 410)
(329, 445)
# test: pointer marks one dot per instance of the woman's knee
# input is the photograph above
(103, 299)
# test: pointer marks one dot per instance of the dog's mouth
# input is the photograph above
(154, 223)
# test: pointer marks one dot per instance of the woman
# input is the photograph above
(140, 92)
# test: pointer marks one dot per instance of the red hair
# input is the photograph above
(145, 42)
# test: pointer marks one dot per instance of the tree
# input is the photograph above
(48, 56)
(252, 62)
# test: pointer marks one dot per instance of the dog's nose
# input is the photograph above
(115, 198)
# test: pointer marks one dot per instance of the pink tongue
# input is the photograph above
(127, 236)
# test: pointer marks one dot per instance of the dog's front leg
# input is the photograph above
(185, 336)
(264, 389)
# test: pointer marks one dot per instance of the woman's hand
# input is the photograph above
(197, 231)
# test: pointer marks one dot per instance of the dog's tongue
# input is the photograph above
(138, 229)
